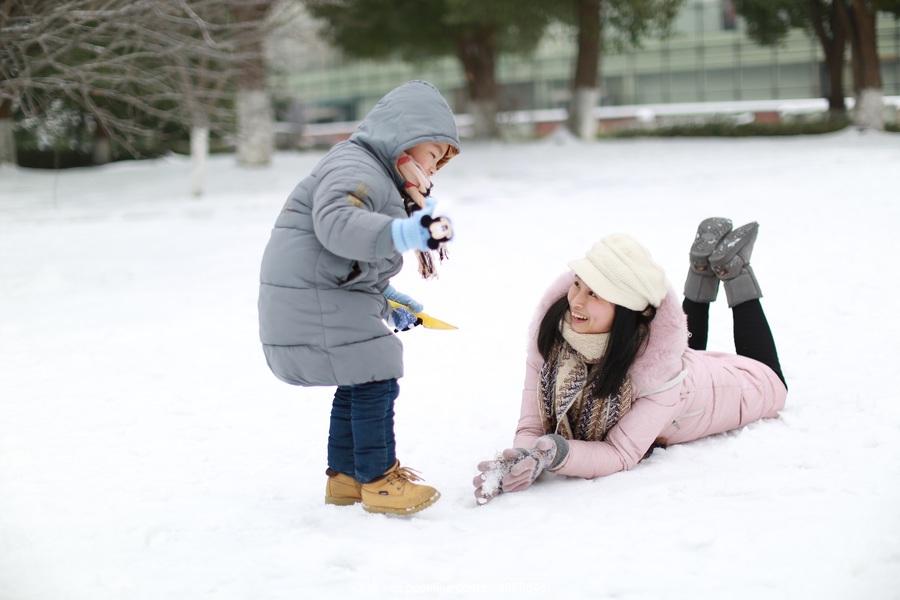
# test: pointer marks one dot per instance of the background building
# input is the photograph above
(708, 58)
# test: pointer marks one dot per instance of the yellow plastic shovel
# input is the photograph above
(428, 321)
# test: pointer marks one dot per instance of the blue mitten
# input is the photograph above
(401, 319)
(420, 231)
(391, 293)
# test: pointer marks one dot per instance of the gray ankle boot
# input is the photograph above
(731, 263)
(701, 284)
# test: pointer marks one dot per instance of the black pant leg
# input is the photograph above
(697, 322)
(753, 337)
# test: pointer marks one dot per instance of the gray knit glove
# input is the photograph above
(492, 472)
(548, 452)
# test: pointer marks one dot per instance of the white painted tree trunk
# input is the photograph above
(199, 152)
(869, 109)
(581, 120)
(7, 142)
(256, 128)
(484, 119)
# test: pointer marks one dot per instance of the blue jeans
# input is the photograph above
(361, 437)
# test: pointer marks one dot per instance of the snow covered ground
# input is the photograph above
(146, 452)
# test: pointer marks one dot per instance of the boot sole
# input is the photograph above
(342, 501)
(709, 233)
(734, 243)
(402, 511)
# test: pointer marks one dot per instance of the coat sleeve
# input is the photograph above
(349, 213)
(626, 443)
(530, 427)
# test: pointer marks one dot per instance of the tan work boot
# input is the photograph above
(341, 489)
(395, 493)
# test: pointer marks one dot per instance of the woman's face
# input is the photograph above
(427, 155)
(590, 312)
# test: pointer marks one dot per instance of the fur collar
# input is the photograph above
(660, 360)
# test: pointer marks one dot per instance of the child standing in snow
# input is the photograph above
(612, 371)
(324, 286)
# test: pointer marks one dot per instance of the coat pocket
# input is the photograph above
(355, 272)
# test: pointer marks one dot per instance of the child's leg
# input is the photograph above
(697, 322)
(372, 421)
(753, 337)
(340, 434)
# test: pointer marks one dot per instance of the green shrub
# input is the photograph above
(727, 128)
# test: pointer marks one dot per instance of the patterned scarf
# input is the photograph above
(417, 188)
(567, 403)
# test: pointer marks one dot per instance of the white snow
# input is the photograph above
(146, 451)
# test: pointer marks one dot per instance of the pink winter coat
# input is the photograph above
(680, 394)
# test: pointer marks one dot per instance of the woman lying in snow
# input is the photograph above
(613, 373)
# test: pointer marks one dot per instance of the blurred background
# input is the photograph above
(86, 82)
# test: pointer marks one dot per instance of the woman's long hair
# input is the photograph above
(626, 337)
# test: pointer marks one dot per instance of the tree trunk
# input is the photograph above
(477, 52)
(869, 107)
(102, 151)
(255, 117)
(199, 152)
(586, 88)
(7, 140)
(256, 131)
(834, 45)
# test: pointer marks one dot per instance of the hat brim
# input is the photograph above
(604, 287)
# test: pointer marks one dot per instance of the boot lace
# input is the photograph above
(402, 475)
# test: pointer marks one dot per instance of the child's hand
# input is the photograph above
(417, 183)
(403, 319)
(420, 231)
(391, 293)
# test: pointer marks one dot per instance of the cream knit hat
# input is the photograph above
(620, 270)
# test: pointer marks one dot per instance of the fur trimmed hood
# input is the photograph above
(659, 366)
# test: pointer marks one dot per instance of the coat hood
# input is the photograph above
(409, 115)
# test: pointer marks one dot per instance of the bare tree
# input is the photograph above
(7, 143)
(135, 66)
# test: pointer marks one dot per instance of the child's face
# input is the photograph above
(427, 155)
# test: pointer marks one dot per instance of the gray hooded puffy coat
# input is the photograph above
(331, 253)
